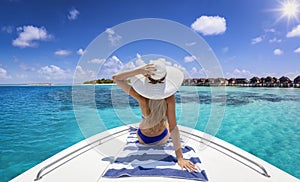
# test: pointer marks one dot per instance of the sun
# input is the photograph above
(290, 9)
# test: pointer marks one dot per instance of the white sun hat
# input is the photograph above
(169, 80)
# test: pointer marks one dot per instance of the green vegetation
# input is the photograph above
(102, 81)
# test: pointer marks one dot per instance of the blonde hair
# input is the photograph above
(157, 114)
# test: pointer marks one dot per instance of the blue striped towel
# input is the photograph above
(139, 160)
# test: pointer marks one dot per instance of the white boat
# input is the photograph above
(222, 161)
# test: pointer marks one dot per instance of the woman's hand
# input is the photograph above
(147, 70)
(188, 165)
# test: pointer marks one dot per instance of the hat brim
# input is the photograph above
(171, 84)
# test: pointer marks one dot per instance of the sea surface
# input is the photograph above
(37, 122)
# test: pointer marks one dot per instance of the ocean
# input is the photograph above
(37, 122)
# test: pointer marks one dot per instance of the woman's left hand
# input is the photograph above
(146, 70)
(188, 165)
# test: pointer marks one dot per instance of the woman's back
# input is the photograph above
(154, 123)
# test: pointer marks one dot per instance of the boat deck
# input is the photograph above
(89, 159)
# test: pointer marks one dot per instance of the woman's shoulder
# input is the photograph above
(170, 100)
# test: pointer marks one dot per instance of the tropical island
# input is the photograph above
(100, 81)
(242, 82)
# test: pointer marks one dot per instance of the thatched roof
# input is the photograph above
(255, 80)
(297, 80)
(241, 80)
(269, 80)
(284, 79)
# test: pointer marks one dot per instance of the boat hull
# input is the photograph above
(89, 159)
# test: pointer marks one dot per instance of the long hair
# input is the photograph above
(157, 114)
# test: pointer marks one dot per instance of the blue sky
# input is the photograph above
(42, 41)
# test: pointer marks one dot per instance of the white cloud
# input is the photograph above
(188, 59)
(138, 56)
(210, 25)
(168, 63)
(62, 52)
(225, 49)
(272, 30)
(194, 70)
(139, 61)
(109, 66)
(195, 73)
(113, 65)
(114, 61)
(80, 52)
(294, 33)
(179, 67)
(275, 40)
(190, 43)
(73, 14)
(29, 35)
(277, 52)
(297, 50)
(53, 72)
(26, 67)
(182, 68)
(81, 75)
(267, 34)
(97, 61)
(129, 66)
(3, 74)
(257, 40)
(8, 29)
(113, 37)
(237, 73)
(79, 70)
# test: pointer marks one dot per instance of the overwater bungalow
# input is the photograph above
(201, 81)
(220, 82)
(270, 82)
(194, 82)
(285, 82)
(209, 82)
(237, 82)
(255, 82)
(241, 82)
(262, 81)
(231, 82)
(297, 82)
(276, 81)
(188, 82)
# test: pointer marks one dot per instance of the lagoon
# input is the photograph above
(36, 122)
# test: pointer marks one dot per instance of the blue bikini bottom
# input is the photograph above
(154, 139)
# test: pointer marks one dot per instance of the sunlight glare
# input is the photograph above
(290, 9)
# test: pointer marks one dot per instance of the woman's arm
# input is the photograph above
(121, 79)
(176, 135)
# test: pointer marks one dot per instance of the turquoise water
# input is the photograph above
(38, 122)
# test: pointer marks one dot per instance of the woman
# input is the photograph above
(154, 86)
